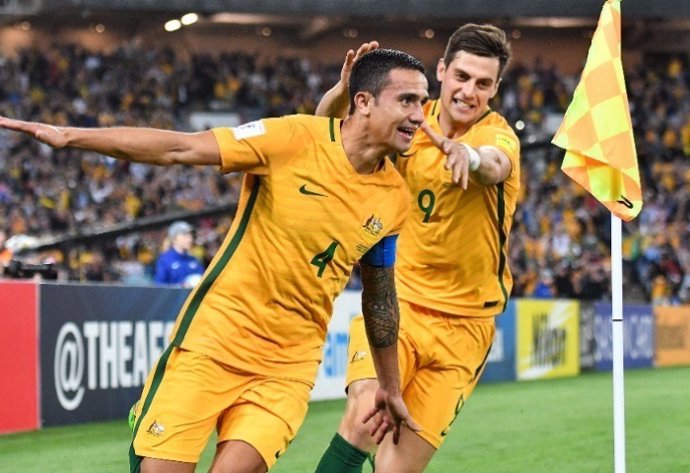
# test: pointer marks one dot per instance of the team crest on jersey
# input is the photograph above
(373, 226)
(156, 429)
(358, 356)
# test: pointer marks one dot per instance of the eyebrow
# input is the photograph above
(413, 95)
(458, 71)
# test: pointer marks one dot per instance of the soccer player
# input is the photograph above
(463, 176)
(319, 194)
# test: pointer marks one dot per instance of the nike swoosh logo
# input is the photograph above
(305, 191)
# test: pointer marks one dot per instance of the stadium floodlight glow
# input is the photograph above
(189, 19)
(172, 25)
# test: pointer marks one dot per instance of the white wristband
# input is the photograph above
(475, 160)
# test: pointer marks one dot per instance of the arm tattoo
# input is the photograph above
(380, 305)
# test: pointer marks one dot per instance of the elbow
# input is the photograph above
(489, 178)
(492, 174)
(174, 157)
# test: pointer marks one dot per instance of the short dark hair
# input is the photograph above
(481, 40)
(371, 72)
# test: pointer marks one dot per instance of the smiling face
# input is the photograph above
(468, 82)
(396, 112)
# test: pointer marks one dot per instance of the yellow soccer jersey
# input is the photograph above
(304, 218)
(452, 252)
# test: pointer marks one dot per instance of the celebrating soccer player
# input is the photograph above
(452, 277)
(319, 195)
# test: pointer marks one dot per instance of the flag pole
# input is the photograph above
(597, 135)
(617, 330)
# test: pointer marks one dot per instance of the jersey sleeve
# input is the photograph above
(501, 138)
(382, 254)
(256, 146)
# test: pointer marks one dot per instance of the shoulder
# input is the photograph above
(306, 122)
(494, 130)
(496, 121)
(166, 256)
(191, 258)
(312, 127)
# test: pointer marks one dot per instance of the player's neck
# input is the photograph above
(452, 129)
(364, 156)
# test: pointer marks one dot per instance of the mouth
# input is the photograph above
(407, 132)
(462, 104)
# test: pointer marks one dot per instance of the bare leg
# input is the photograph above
(236, 456)
(360, 398)
(411, 455)
(155, 465)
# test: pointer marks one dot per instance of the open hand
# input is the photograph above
(388, 414)
(457, 156)
(351, 58)
(48, 134)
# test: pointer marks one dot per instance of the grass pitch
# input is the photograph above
(562, 426)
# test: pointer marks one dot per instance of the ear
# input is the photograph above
(440, 70)
(495, 91)
(363, 102)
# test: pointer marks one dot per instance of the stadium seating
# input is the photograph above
(559, 245)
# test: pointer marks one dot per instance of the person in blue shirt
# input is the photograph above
(176, 266)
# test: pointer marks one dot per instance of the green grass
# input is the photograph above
(562, 426)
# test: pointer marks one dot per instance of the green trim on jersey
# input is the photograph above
(502, 240)
(134, 459)
(208, 281)
(331, 127)
(484, 115)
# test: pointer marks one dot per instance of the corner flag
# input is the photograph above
(596, 131)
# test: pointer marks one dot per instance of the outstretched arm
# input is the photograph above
(381, 319)
(336, 102)
(142, 145)
(487, 164)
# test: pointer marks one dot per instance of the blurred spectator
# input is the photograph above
(175, 265)
(544, 288)
(558, 229)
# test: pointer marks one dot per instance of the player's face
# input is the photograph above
(397, 113)
(467, 85)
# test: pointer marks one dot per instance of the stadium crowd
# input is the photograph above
(559, 246)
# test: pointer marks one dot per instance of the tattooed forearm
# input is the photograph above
(380, 306)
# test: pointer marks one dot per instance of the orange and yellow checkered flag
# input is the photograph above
(596, 131)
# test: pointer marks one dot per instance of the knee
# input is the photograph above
(355, 431)
(360, 400)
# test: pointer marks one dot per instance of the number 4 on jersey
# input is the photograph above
(321, 260)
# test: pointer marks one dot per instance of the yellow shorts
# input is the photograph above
(441, 358)
(188, 394)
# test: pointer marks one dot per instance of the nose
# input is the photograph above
(417, 116)
(468, 88)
